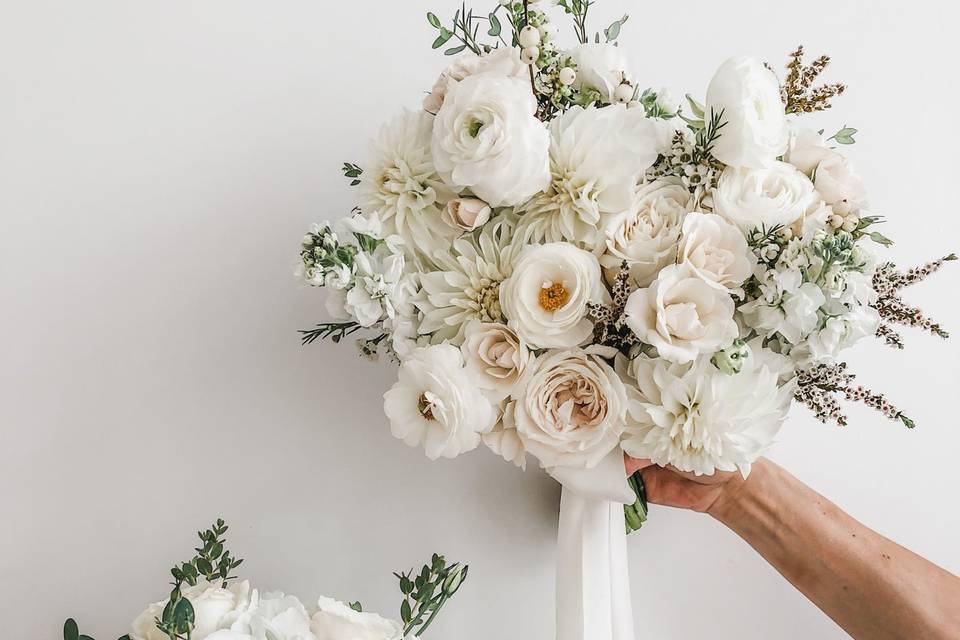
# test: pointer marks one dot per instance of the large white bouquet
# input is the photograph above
(569, 267)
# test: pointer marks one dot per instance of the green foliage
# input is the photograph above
(356, 606)
(425, 593)
(636, 514)
(578, 10)
(335, 331)
(353, 172)
(613, 31)
(864, 229)
(706, 137)
(844, 136)
(465, 27)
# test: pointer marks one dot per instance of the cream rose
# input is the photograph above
(487, 138)
(752, 198)
(495, 356)
(748, 95)
(467, 213)
(546, 298)
(571, 410)
(646, 235)
(603, 67)
(504, 61)
(336, 621)
(681, 315)
(212, 607)
(716, 251)
(837, 182)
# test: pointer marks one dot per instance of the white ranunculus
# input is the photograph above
(212, 606)
(646, 234)
(546, 299)
(716, 251)
(597, 158)
(756, 130)
(807, 149)
(272, 616)
(681, 315)
(752, 198)
(504, 61)
(571, 410)
(600, 66)
(401, 188)
(702, 420)
(487, 138)
(337, 621)
(435, 404)
(467, 213)
(837, 182)
(496, 357)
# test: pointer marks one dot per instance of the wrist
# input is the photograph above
(740, 492)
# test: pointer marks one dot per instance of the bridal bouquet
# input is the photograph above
(566, 265)
(208, 603)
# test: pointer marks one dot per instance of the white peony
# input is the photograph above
(571, 410)
(837, 182)
(546, 299)
(487, 138)
(597, 158)
(504, 61)
(336, 621)
(748, 95)
(681, 315)
(702, 420)
(646, 234)
(716, 251)
(495, 357)
(212, 606)
(602, 67)
(401, 188)
(434, 403)
(273, 616)
(753, 198)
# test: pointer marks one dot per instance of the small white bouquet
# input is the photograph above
(208, 602)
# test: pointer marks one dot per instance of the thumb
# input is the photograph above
(635, 464)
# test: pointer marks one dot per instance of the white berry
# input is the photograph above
(530, 55)
(624, 93)
(850, 224)
(835, 221)
(529, 37)
(568, 76)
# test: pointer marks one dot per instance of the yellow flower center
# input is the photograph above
(553, 297)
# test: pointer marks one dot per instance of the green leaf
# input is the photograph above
(495, 27)
(613, 31)
(879, 238)
(405, 613)
(696, 107)
(85, 638)
(443, 38)
(455, 50)
(126, 637)
(845, 135)
(70, 630)
(433, 20)
(356, 606)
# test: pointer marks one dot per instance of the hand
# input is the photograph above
(673, 488)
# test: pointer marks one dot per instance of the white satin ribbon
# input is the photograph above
(593, 583)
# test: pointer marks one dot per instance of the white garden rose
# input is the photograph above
(435, 404)
(681, 315)
(504, 61)
(807, 150)
(748, 95)
(212, 606)
(272, 616)
(467, 213)
(701, 420)
(752, 198)
(646, 234)
(545, 299)
(716, 251)
(487, 138)
(585, 185)
(602, 67)
(838, 183)
(571, 409)
(337, 621)
(496, 357)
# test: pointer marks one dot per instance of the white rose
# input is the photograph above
(837, 182)
(273, 616)
(467, 213)
(571, 410)
(716, 251)
(807, 150)
(603, 67)
(752, 198)
(681, 315)
(646, 235)
(337, 621)
(495, 357)
(504, 61)
(756, 130)
(434, 403)
(212, 605)
(487, 138)
(546, 299)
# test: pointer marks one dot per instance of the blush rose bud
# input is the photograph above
(467, 213)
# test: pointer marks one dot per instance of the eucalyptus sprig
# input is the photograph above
(352, 172)
(71, 632)
(465, 27)
(578, 10)
(335, 331)
(425, 593)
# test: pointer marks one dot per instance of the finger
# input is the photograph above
(634, 464)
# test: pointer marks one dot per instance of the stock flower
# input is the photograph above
(716, 251)
(495, 357)
(746, 96)
(435, 404)
(646, 234)
(597, 158)
(546, 298)
(602, 67)
(212, 604)
(681, 315)
(504, 61)
(777, 195)
(487, 138)
(337, 621)
(571, 410)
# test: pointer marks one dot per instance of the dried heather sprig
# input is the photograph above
(797, 91)
(610, 328)
(818, 385)
(888, 283)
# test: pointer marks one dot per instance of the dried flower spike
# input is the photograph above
(798, 93)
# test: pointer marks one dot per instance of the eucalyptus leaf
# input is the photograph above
(443, 38)
(433, 20)
(455, 50)
(70, 630)
(495, 27)
(845, 135)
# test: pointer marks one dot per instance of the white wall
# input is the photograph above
(159, 162)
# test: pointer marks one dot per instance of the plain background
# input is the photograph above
(159, 162)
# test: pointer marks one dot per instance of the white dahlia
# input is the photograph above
(401, 187)
(701, 420)
(597, 158)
